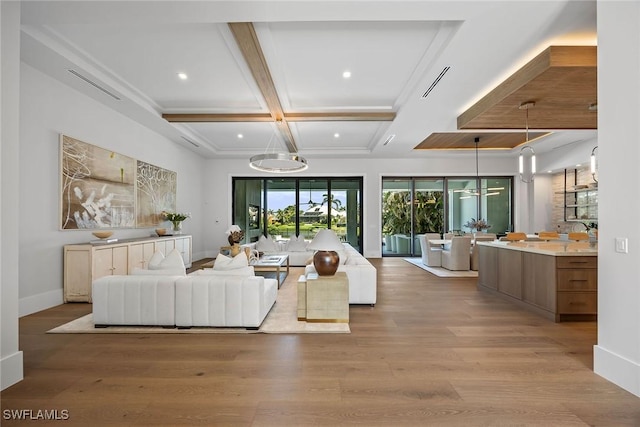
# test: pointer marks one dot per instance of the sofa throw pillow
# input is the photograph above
(296, 244)
(166, 272)
(266, 244)
(224, 262)
(172, 261)
(343, 256)
(242, 271)
(156, 259)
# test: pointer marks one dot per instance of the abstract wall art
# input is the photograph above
(97, 187)
(155, 192)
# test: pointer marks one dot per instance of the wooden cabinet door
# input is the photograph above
(488, 266)
(140, 254)
(538, 280)
(165, 246)
(77, 275)
(183, 245)
(110, 261)
(102, 263)
(120, 260)
(510, 273)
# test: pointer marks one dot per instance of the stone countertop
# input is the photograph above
(554, 248)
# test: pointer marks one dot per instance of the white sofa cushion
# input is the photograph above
(244, 271)
(296, 244)
(134, 300)
(267, 244)
(225, 263)
(156, 259)
(164, 272)
(224, 301)
(172, 261)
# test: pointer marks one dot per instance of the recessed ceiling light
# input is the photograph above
(346, 74)
(183, 76)
(578, 165)
(336, 135)
(240, 136)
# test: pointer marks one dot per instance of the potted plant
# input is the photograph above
(477, 224)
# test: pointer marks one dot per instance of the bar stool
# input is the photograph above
(516, 236)
(578, 236)
(548, 235)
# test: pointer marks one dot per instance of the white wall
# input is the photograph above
(11, 361)
(218, 198)
(48, 109)
(617, 354)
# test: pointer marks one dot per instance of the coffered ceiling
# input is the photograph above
(260, 71)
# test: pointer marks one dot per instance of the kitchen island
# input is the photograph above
(558, 279)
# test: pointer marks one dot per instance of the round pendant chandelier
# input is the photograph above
(273, 161)
(278, 162)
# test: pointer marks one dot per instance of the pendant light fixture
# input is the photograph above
(593, 164)
(525, 106)
(476, 140)
(311, 203)
(273, 161)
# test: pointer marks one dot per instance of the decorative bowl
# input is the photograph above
(161, 231)
(102, 234)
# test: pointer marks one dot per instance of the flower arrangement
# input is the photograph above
(477, 224)
(234, 234)
(175, 217)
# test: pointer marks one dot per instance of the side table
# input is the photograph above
(327, 299)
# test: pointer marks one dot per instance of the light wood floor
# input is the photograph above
(432, 352)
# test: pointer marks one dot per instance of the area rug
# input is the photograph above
(439, 271)
(282, 319)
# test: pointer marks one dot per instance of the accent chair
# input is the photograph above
(431, 255)
(457, 255)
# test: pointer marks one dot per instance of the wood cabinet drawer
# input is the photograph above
(578, 279)
(577, 302)
(577, 262)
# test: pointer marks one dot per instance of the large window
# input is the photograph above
(410, 207)
(299, 206)
(414, 206)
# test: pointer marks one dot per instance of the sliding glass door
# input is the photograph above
(287, 207)
(410, 207)
(414, 206)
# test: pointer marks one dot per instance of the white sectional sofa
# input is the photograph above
(363, 285)
(183, 301)
(296, 248)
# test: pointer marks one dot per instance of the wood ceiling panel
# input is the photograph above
(561, 81)
(466, 140)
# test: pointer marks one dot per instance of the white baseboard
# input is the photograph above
(35, 303)
(11, 370)
(623, 372)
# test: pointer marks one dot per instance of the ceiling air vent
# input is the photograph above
(435, 82)
(190, 142)
(94, 84)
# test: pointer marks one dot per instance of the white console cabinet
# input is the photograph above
(84, 263)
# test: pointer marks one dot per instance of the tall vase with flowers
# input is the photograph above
(176, 219)
(477, 224)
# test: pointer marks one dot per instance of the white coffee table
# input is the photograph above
(273, 263)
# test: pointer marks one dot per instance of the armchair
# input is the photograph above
(457, 255)
(431, 255)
